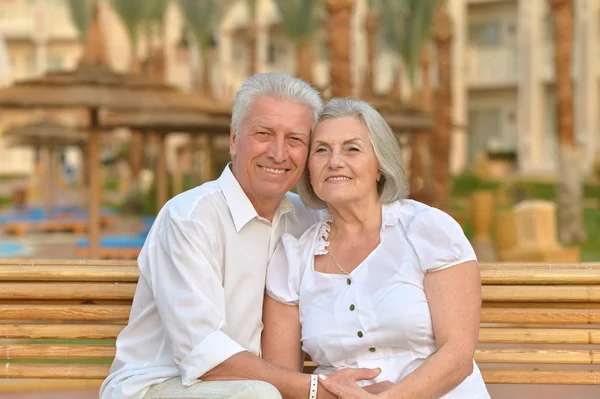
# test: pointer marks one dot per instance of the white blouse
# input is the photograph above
(378, 316)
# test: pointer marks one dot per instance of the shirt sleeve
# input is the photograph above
(284, 273)
(439, 241)
(184, 271)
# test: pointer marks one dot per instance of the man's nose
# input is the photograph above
(277, 150)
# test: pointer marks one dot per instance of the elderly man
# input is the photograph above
(195, 324)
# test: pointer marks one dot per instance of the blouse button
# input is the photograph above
(349, 281)
(360, 334)
(372, 349)
(352, 307)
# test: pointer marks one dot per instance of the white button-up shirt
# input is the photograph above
(378, 315)
(200, 293)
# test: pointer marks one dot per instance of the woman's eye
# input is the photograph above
(320, 149)
(353, 149)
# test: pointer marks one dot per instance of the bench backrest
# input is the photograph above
(60, 319)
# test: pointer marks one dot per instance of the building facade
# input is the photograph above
(503, 72)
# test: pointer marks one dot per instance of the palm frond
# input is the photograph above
(131, 13)
(299, 18)
(407, 27)
(202, 18)
(80, 12)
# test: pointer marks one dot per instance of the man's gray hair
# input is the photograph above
(274, 84)
(392, 186)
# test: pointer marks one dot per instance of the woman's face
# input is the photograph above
(342, 163)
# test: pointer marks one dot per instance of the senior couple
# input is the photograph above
(239, 277)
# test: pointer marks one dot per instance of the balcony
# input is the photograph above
(492, 67)
(17, 21)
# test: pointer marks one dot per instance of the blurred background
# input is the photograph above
(495, 104)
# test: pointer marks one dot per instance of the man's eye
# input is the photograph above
(262, 133)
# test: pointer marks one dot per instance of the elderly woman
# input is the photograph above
(382, 282)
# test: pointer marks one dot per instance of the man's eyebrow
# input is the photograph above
(299, 132)
(269, 128)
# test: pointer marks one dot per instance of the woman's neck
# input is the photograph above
(355, 218)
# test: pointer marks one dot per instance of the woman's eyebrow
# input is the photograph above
(350, 141)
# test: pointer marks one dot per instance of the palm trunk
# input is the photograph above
(570, 185)
(443, 112)
(368, 89)
(338, 40)
(206, 73)
(304, 60)
(420, 142)
(395, 93)
(252, 33)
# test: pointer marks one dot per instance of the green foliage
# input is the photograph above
(132, 13)
(590, 250)
(299, 17)
(467, 182)
(5, 200)
(154, 16)
(202, 18)
(81, 12)
(407, 26)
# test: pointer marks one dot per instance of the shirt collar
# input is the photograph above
(242, 210)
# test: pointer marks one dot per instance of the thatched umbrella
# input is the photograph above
(95, 86)
(44, 137)
(201, 125)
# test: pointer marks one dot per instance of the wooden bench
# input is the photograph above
(59, 320)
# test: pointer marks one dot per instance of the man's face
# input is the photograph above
(270, 150)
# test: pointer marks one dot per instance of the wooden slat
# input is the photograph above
(59, 331)
(67, 262)
(540, 316)
(57, 352)
(540, 265)
(67, 290)
(69, 312)
(539, 335)
(542, 305)
(503, 275)
(58, 371)
(529, 376)
(68, 273)
(537, 356)
(524, 293)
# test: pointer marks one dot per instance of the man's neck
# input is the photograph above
(265, 208)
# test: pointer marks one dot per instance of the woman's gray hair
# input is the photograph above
(392, 186)
(274, 84)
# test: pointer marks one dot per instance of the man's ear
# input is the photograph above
(232, 142)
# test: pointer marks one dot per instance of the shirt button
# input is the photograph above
(352, 307)
(372, 349)
(360, 334)
(349, 281)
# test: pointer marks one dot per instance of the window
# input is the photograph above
(55, 61)
(485, 34)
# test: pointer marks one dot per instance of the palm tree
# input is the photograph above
(339, 13)
(372, 30)
(408, 28)
(202, 18)
(570, 184)
(252, 33)
(80, 12)
(299, 20)
(132, 14)
(440, 150)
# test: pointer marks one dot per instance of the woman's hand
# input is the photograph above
(378, 387)
(345, 387)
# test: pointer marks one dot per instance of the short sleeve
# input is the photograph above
(285, 270)
(439, 240)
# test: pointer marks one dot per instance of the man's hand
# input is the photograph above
(379, 387)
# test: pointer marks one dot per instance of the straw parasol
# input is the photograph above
(94, 86)
(45, 136)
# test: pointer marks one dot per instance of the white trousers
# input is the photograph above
(173, 389)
